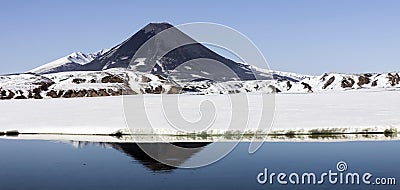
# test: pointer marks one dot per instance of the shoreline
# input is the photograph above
(194, 138)
(350, 112)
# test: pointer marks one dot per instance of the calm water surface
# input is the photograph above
(55, 165)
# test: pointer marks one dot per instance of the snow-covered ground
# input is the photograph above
(342, 111)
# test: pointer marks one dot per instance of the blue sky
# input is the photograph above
(304, 36)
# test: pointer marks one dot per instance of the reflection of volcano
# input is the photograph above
(164, 152)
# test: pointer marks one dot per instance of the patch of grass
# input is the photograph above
(117, 134)
(390, 132)
(12, 133)
(290, 134)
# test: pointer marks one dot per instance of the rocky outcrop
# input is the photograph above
(102, 92)
(20, 95)
(37, 96)
(44, 85)
(6, 94)
(145, 79)
(374, 83)
(52, 94)
(323, 78)
(116, 83)
(174, 90)
(307, 86)
(55, 94)
(78, 80)
(347, 83)
(40, 92)
(84, 93)
(274, 89)
(69, 94)
(393, 79)
(112, 79)
(289, 85)
(36, 93)
(329, 82)
(30, 95)
(92, 93)
(116, 92)
(81, 93)
(156, 90)
(364, 79)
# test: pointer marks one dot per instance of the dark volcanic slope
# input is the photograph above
(121, 55)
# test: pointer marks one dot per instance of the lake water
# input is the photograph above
(34, 164)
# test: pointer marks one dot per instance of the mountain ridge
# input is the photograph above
(66, 63)
(120, 71)
(183, 48)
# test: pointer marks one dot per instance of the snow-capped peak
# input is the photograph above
(101, 52)
(70, 61)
